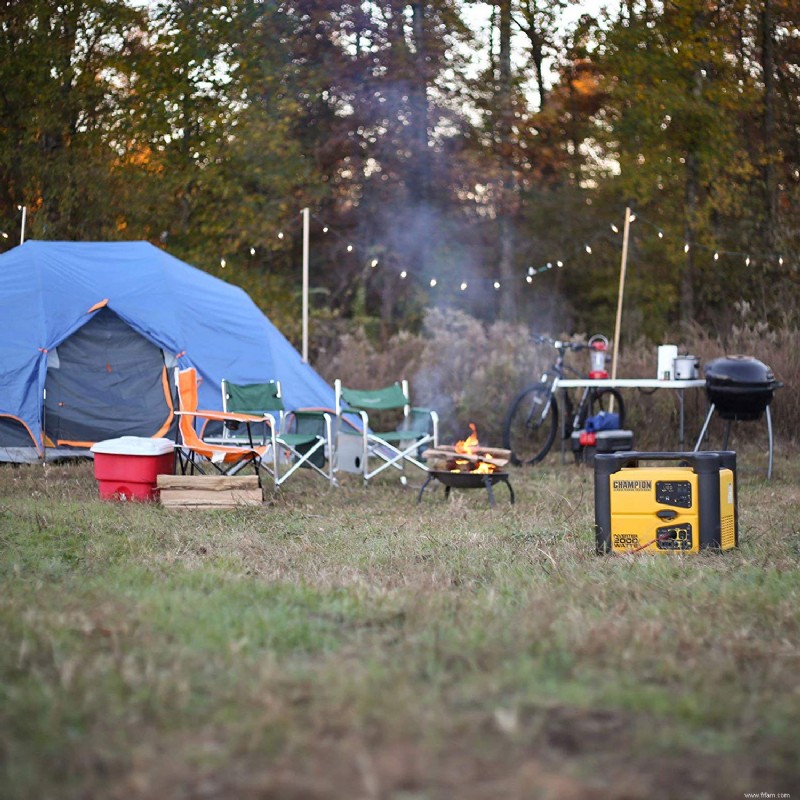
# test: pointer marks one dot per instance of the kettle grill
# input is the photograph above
(739, 388)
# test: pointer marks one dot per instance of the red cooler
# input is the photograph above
(127, 468)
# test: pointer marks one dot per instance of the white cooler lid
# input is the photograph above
(134, 446)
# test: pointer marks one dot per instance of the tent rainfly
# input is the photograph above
(90, 334)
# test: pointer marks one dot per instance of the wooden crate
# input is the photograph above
(208, 491)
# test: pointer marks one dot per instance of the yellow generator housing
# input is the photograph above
(665, 502)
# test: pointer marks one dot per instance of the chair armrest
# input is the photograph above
(223, 416)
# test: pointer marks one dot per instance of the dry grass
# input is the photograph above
(470, 372)
(354, 644)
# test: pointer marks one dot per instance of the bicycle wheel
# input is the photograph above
(601, 400)
(530, 426)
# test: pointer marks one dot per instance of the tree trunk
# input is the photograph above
(770, 177)
(692, 200)
(508, 296)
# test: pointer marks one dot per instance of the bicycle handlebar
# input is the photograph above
(558, 344)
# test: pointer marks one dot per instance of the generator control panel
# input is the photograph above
(674, 493)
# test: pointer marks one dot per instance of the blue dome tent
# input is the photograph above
(92, 330)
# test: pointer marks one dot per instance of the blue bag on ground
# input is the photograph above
(603, 421)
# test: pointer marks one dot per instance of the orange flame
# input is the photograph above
(469, 444)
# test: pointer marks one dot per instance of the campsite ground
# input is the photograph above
(353, 644)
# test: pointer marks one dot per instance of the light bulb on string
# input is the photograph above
(530, 269)
(349, 248)
(403, 275)
(614, 228)
(780, 260)
(433, 282)
(686, 247)
(4, 235)
(747, 261)
(549, 265)
(280, 234)
(252, 251)
(716, 256)
(463, 286)
(559, 264)
(374, 263)
(588, 249)
(496, 284)
(661, 234)
(222, 263)
(633, 218)
(325, 229)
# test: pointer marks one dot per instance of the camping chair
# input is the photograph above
(295, 438)
(196, 454)
(359, 441)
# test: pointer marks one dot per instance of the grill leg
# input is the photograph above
(727, 434)
(769, 432)
(705, 428)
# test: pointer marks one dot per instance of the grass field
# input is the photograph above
(353, 644)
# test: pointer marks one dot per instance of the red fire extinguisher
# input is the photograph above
(598, 348)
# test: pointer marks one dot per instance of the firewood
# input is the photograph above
(500, 452)
(451, 455)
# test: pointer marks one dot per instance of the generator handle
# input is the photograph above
(704, 461)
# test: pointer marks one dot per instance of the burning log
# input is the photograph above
(449, 454)
(467, 456)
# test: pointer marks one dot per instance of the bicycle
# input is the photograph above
(531, 422)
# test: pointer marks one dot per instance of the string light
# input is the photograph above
(661, 234)
(349, 248)
(280, 234)
(686, 247)
(373, 263)
(559, 264)
(252, 251)
(614, 228)
(5, 235)
(716, 256)
(222, 263)
(529, 279)
(403, 275)
(780, 260)
(433, 282)
(325, 229)
(463, 286)
(497, 284)
(588, 249)
(747, 261)
(633, 218)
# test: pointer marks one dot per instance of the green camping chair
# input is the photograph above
(296, 439)
(361, 440)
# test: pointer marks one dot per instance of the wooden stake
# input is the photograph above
(622, 270)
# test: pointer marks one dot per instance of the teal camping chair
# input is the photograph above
(296, 439)
(362, 435)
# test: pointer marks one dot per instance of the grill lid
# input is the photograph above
(739, 370)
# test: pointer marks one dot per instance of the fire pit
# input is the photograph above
(467, 465)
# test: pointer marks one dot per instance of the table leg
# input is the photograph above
(680, 417)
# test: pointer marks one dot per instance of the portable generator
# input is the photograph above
(684, 506)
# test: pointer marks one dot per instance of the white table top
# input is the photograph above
(629, 383)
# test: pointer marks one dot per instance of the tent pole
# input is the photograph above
(622, 270)
(44, 420)
(306, 216)
(22, 232)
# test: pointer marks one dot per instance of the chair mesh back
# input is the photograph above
(252, 398)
